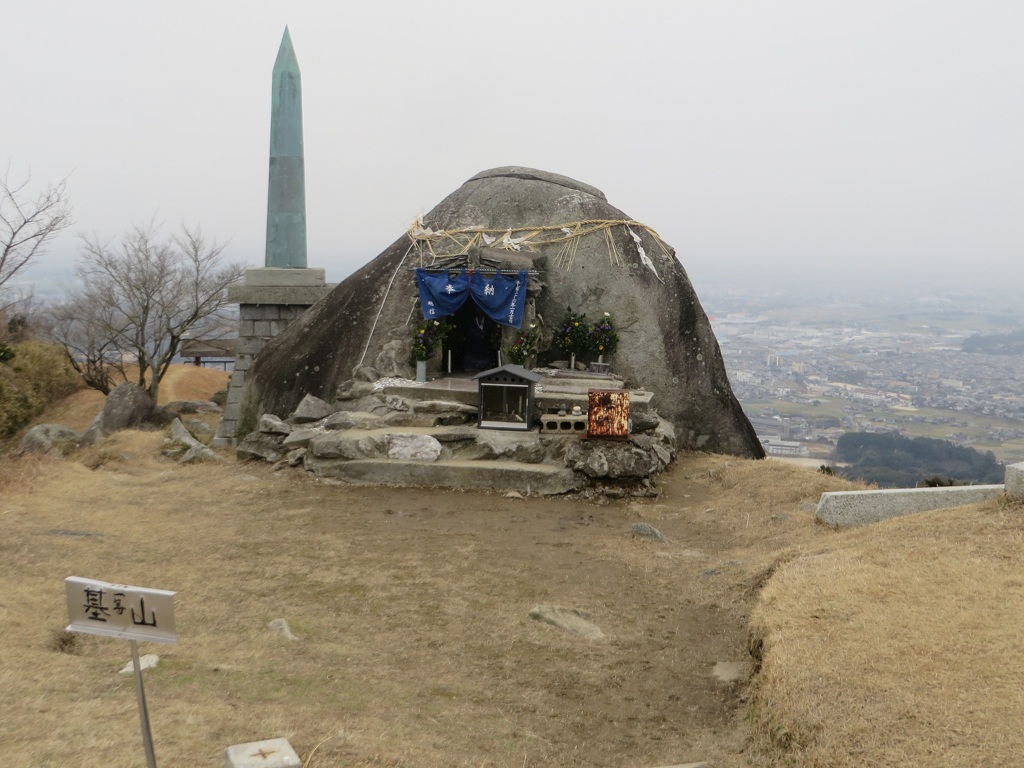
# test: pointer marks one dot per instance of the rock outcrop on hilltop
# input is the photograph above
(584, 253)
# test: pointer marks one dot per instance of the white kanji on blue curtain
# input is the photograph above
(500, 297)
(440, 294)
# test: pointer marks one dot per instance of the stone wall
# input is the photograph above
(257, 324)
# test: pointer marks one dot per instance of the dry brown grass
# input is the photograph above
(890, 645)
(899, 644)
(412, 608)
(182, 382)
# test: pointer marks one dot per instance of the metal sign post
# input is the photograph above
(122, 611)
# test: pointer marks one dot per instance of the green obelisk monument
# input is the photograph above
(286, 199)
(276, 294)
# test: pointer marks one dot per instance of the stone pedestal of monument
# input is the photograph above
(269, 300)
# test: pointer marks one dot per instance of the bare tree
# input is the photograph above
(28, 223)
(80, 327)
(142, 297)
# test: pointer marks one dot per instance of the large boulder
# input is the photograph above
(128, 405)
(50, 438)
(667, 345)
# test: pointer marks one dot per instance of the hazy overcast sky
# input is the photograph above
(880, 136)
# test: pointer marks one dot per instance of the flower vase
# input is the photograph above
(421, 370)
(600, 358)
(572, 362)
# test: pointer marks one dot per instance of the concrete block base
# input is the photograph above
(849, 508)
(1015, 481)
(269, 753)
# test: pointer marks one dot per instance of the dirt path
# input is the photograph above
(417, 649)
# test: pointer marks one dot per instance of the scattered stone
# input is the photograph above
(199, 453)
(730, 672)
(295, 457)
(46, 438)
(648, 531)
(412, 447)
(259, 445)
(808, 506)
(353, 420)
(148, 661)
(67, 532)
(345, 445)
(780, 516)
(281, 625)
(200, 430)
(311, 409)
(299, 438)
(181, 435)
(220, 397)
(271, 425)
(570, 619)
(269, 753)
(703, 764)
(712, 572)
(514, 495)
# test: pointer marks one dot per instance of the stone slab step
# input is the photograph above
(436, 390)
(528, 479)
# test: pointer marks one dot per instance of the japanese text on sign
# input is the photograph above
(119, 610)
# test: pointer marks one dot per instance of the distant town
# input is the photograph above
(808, 368)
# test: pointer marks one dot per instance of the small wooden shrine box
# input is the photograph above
(505, 398)
(608, 413)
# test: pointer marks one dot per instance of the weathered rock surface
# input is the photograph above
(353, 420)
(128, 405)
(260, 445)
(271, 425)
(44, 438)
(648, 531)
(412, 447)
(191, 450)
(667, 345)
(311, 409)
(299, 438)
(615, 459)
(345, 445)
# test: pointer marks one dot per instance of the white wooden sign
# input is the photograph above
(121, 611)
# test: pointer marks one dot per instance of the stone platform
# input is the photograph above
(553, 392)
(398, 432)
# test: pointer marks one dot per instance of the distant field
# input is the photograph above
(977, 426)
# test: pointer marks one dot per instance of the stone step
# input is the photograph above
(552, 393)
(528, 479)
(454, 390)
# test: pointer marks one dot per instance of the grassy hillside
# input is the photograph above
(895, 644)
